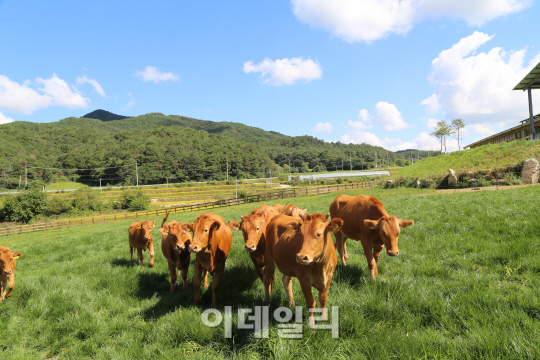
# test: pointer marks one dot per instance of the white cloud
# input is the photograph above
(152, 73)
(360, 137)
(424, 141)
(477, 87)
(85, 79)
(358, 125)
(323, 127)
(285, 71)
(432, 104)
(128, 105)
(23, 98)
(432, 123)
(368, 20)
(4, 119)
(387, 116)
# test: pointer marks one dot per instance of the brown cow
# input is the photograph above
(365, 219)
(175, 243)
(140, 238)
(302, 249)
(291, 210)
(212, 241)
(8, 263)
(254, 231)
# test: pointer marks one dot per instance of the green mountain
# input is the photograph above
(174, 147)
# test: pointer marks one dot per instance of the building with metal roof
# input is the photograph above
(529, 128)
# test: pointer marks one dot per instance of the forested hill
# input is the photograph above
(173, 147)
(104, 115)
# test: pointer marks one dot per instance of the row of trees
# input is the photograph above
(443, 131)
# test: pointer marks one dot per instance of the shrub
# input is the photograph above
(134, 200)
(24, 207)
(86, 200)
(58, 205)
(242, 194)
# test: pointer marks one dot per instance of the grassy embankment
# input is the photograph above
(465, 285)
(503, 157)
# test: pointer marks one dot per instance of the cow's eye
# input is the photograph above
(319, 235)
(205, 230)
(257, 229)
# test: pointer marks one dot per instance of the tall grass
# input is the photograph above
(465, 286)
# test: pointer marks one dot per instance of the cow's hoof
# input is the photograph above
(151, 265)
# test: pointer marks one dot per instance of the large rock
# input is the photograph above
(530, 172)
(452, 178)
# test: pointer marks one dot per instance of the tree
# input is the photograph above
(442, 131)
(457, 125)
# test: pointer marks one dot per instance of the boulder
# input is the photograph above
(390, 181)
(530, 172)
(452, 178)
(418, 183)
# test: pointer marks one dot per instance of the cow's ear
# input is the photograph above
(405, 223)
(164, 231)
(215, 226)
(301, 216)
(17, 255)
(371, 224)
(234, 225)
(335, 225)
(187, 227)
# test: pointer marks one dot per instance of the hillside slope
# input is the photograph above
(503, 155)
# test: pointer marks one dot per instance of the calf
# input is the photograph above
(175, 243)
(365, 219)
(301, 248)
(254, 231)
(8, 263)
(212, 241)
(140, 238)
(291, 210)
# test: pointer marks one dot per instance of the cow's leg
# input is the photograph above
(205, 279)
(305, 284)
(11, 283)
(376, 253)
(131, 251)
(140, 255)
(322, 298)
(197, 282)
(372, 264)
(184, 265)
(268, 277)
(258, 261)
(342, 247)
(3, 284)
(215, 285)
(172, 271)
(151, 254)
(287, 284)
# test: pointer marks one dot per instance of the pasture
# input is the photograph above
(466, 285)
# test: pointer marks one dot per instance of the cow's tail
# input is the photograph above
(166, 217)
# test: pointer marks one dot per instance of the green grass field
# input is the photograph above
(503, 155)
(466, 285)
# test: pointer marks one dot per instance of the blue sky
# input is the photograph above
(375, 71)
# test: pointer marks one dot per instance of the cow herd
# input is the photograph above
(298, 244)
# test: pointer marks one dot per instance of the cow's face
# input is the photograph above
(145, 227)
(6, 261)
(389, 229)
(252, 227)
(316, 235)
(203, 229)
(179, 237)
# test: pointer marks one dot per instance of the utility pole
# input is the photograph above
(375, 159)
(20, 176)
(100, 184)
(387, 158)
(236, 186)
(341, 164)
(25, 176)
(167, 181)
(137, 173)
(350, 161)
(227, 169)
(289, 167)
(270, 179)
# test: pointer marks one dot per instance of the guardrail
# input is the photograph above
(276, 195)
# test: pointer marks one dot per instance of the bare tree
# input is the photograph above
(442, 131)
(457, 126)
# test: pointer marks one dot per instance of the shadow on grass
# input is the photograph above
(124, 262)
(350, 274)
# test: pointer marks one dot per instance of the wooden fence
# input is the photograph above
(275, 195)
